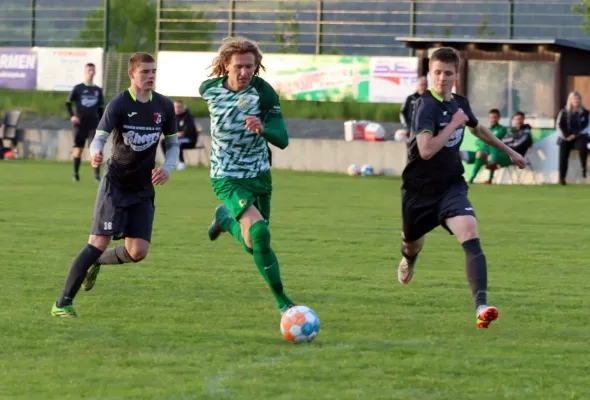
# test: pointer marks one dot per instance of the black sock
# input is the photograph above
(115, 255)
(411, 259)
(181, 156)
(87, 256)
(477, 271)
(77, 161)
(97, 172)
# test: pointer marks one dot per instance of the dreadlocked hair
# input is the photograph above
(235, 45)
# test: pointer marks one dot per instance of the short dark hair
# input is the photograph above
(138, 58)
(518, 113)
(446, 55)
(179, 101)
(90, 65)
(494, 111)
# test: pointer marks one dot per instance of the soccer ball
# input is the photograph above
(366, 170)
(401, 135)
(300, 324)
(353, 170)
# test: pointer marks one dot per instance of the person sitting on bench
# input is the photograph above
(188, 132)
(519, 138)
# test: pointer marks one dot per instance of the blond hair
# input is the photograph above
(568, 104)
(235, 45)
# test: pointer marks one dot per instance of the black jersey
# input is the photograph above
(136, 129)
(89, 102)
(519, 140)
(408, 109)
(431, 115)
(186, 125)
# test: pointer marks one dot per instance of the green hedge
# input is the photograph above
(47, 104)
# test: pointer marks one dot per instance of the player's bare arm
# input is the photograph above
(483, 132)
(429, 145)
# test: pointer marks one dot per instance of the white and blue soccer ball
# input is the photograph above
(300, 324)
(367, 170)
(354, 169)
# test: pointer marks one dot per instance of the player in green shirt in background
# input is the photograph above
(479, 158)
(245, 115)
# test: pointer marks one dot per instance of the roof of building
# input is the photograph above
(460, 43)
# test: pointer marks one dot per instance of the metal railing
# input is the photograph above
(57, 23)
(355, 27)
(366, 27)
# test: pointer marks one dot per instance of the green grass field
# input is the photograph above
(195, 320)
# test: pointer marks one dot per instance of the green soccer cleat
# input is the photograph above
(215, 228)
(65, 311)
(91, 276)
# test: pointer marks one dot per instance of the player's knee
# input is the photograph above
(246, 235)
(260, 235)
(468, 232)
(137, 248)
(101, 242)
(137, 254)
(482, 155)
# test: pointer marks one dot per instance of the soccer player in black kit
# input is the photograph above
(434, 191)
(125, 201)
(89, 102)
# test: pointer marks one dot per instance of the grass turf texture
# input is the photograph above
(196, 321)
(50, 104)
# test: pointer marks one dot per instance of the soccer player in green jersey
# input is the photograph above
(480, 157)
(245, 116)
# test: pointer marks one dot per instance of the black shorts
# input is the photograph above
(119, 213)
(82, 135)
(422, 212)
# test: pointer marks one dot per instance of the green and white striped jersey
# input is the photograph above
(235, 151)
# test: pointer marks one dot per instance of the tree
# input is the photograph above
(584, 10)
(133, 27)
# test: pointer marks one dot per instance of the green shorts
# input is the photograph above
(239, 194)
(472, 155)
(486, 148)
(501, 158)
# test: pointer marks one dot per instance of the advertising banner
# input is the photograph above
(302, 77)
(318, 78)
(180, 73)
(60, 69)
(392, 79)
(18, 68)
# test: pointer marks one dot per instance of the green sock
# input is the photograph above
(233, 228)
(491, 175)
(267, 262)
(476, 167)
